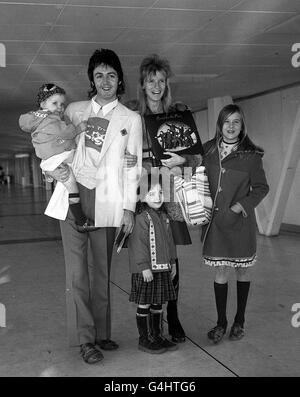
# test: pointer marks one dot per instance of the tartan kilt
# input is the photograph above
(158, 291)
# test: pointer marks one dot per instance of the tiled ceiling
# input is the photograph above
(216, 48)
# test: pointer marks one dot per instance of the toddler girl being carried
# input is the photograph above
(53, 138)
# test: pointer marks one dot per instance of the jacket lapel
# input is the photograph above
(114, 127)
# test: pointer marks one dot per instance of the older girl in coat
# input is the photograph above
(238, 184)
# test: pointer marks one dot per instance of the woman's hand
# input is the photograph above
(147, 275)
(130, 159)
(173, 161)
(60, 173)
(173, 270)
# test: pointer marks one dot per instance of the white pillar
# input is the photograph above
(269, 224)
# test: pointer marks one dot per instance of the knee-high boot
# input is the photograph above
(156, 329)
(146, 342)
(175, 328)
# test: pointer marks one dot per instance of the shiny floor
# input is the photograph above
(33, 341)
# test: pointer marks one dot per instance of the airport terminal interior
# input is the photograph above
(34, 341)
(221, 51)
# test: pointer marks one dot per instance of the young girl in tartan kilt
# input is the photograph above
(152, 256)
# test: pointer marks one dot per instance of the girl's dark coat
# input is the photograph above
(139, 243)
(238, 178)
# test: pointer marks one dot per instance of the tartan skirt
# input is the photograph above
(158, 291)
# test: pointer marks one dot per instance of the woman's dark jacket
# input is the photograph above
(239, 177)
(179, 228)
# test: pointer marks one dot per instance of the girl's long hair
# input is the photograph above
(245, 143)
(149, 66)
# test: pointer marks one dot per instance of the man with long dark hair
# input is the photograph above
(108, 196)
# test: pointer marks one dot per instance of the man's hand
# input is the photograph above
(147, 275)
(130, 159)
(173, 161)
(60, 173)
(128, 221)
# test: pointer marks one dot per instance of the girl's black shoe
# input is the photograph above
(216, 334)
(237, 332)
(166, 343)
(178, 338)
(146, 342)
(151, 346)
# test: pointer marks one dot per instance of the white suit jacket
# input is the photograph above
(116, 186)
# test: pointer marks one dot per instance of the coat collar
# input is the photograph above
(210, 148)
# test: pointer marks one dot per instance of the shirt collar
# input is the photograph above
(105, 108)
